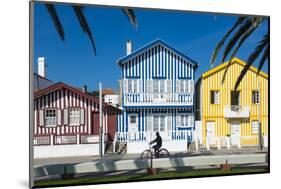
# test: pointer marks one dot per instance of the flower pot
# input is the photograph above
(151, 171)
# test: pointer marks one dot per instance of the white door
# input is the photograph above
(133, 126)
(211, 132)
(235, 133)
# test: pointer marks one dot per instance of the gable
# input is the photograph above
(236, 62)
(155, 47)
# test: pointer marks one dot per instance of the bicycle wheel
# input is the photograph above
(146, 154)
(164, 153)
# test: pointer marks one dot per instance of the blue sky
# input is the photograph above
(73, 61)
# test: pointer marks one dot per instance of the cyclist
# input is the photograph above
(157, 146)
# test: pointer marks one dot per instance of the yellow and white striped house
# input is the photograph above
(228, 117)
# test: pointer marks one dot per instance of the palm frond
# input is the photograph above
(242, 29)
(221, 43)
(84, 24)
(55, 18)
(256, 22)
(131, 16)
(263, 59)
(255, 54)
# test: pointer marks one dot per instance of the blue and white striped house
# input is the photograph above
(157, 95)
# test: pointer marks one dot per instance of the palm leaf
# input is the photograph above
(255, 54)
(256, 22)
(264, 57)
(131, 16)
(221, 43)
(54, 15)
(243, 28)
(84, 24)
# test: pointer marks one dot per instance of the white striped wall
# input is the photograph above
(122, 125)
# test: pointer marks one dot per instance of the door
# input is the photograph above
(95, 123)
(235, 133)
(211, 132)
(133, 126)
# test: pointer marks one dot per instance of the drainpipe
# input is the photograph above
(260, 130)
(101, 122)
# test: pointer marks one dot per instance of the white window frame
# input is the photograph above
(134, 85)
(255, 97)
(50, 121)
(135, 117)
(71, 117)
(184, 119)
(160, 84)
(255, 127)
(183, 85)
(216, 96)
(162, 118)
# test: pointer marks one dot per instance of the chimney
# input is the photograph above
(129, 47)
(84, 88)
(41, 66)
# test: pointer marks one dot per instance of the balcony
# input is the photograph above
(158, 99)
(234, 111)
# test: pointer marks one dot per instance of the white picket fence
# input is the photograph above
(228, 142)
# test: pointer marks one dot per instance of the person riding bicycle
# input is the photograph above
(157, 146)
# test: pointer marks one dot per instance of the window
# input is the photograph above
(235, 98)
(159, 123)
(255, 127)
(255, 97)
(110, 101)
(183, 86)
(74, 116)
(184, 120)
(50, 117)
(215, 97)
(159, 86)
(132, 85)
(133, 119)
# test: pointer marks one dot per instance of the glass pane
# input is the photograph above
(155, 123)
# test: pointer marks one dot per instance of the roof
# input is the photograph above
(41, 82)
(107, 91)
(151, 44)
(235, 60)
(61, 85)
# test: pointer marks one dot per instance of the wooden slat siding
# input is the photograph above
(249, 83)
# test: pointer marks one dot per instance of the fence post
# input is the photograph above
(51, 140)
(239, 145)
(196, 144)
(207, 143)
(78, 139)
(228, 142)
(219, 143)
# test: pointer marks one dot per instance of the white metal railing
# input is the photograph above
(42, 140)
(89, 139)
(234, 111)
(158, 98)
(65, 139)
(150, 135)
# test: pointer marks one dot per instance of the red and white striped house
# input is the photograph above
(66, 122)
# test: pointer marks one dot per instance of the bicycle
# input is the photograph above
(149, 153)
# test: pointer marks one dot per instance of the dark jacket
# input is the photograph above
(158, 141)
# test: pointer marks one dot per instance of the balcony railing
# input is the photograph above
(236, 111)
(157, 99)
(150, 135)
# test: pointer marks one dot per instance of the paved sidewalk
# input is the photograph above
(48, 168)
(116, 157)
